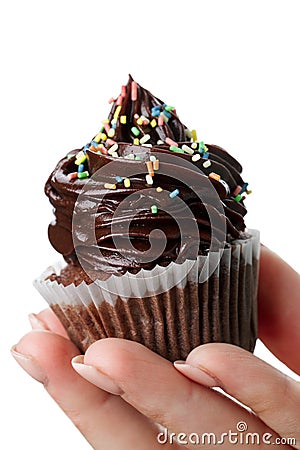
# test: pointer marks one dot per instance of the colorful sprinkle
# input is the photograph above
(119, 100)
(167, 114)
(149, 165)
(98, 137)
(84, 174)
(153, 123)
(137, 158)
(237, 190)
(244, 188)
(155, 111)
(170, 141)
(149, 179)
(123, 91)
(152, 158)
(188, 133)
(169, 108)
(111, 132)
(113, 148)
(194, 135)
(248, 191)
(154, 209)
(194, 145)
(205, 155)
(136, 141)
(160, 121)
(69, 156)
(133, 91)
(126, 182)
(174, 193)
(80, 158)
(72, 175)
(214, 176)
(111, 100)
(156, 164)
(158, 189)
(206, 164)
(111, 142)
(115, 155)
(103, 136)
(81, 168)
(130, 156)
(117, 111)
(123, 119)
(196, 157)
(238, 198)
(187, 149)
(145, 138)
(175, 149)
(135, 131)
(160, 142)
(119, 179)
(110, 186)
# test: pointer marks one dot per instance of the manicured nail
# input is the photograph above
(29, 364)
(198, 373)
(96, 376)
(36, 323)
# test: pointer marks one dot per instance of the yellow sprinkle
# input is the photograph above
(139, 121)
(80, 158)
(153, 123)
(214, 176)
(103, 136)
(136, 141)
(97, 138)
(110, 186)
(194, 135)
(117, 111)
(105, 121)
(158, 189)
(123, 119)
(126, 182)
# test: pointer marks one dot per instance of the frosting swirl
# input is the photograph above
(140, 136)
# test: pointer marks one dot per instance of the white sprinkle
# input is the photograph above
(152, 158)
(149, 179)
(188, 133)
(114, 121)
(196, 157)
(112, 149)
(160, 142)
(187, 149)
(147, 145)
(115, 155)
(145, 138)
(130, 156)
(206, 164)
(195, 145)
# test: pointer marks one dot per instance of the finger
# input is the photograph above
(273, 396)
(153, 386)
(47, 357)
(47, 320)
(279, 308)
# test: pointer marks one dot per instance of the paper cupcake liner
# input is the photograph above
(170, 314)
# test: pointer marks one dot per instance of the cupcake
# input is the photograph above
(150, 223)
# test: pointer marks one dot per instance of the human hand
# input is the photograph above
(124, 389)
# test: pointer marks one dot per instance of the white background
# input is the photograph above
(232, 70)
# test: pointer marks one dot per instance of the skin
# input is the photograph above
(122, 385)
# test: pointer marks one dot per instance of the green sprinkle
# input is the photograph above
(176, 149)
(169, 108)
(135, 131)
(154, 209)
(70, 156)
(83, 174)
(238, 198)
(137, 158)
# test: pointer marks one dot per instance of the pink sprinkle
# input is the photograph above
(120, 100)
(104, 151)
(123, 91)
(145, 122)
(106, 127)
(72, 175)
(133, 91)
(237, 190)
(170, 141)
(111, 142)
(160, 121)
(111, 100)
(136, 116)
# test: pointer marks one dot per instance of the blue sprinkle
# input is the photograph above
(244, 188)
(174, 193)
(155, 111)
(167, 114)
(119, 179)
(81, 168)
(114, 126)
(205, 155)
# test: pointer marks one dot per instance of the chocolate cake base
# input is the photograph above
(222, 309)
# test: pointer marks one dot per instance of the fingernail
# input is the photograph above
(36, 323)
(29, 364)
(96, 376)
(198, 373)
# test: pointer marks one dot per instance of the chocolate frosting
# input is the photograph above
(116, 151)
